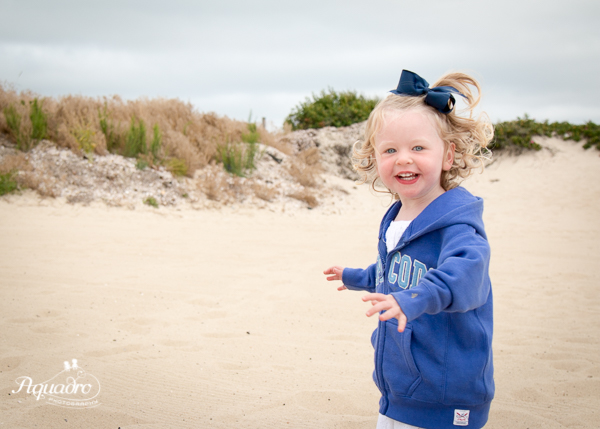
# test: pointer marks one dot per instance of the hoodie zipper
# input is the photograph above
(382, 326)
(380, 340)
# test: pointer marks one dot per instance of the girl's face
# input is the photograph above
(411, 156)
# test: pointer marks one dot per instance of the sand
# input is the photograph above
(223, 318)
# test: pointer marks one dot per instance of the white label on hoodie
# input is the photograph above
(461, 417)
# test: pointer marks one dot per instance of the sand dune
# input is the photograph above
(223, 318)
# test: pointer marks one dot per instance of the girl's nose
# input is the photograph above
(403, 158)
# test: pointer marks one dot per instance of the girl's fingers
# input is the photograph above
(342, 287)
(374, 297)
(382, 302)
(333, 273)
(377, 307)
(333, 270)
(389, 314)
(402, 323)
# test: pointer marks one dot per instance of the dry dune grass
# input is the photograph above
(19, 165)
(16, 162)
(104, 125)
(158, 132)
(306, 167)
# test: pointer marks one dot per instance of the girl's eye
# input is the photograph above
(390, 150)
(418, 148)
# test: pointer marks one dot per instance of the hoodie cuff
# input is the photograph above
(359, 279)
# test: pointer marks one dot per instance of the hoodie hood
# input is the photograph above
(456, 206)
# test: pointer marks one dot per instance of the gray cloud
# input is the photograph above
(267, 56)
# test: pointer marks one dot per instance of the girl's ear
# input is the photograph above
(449, 157)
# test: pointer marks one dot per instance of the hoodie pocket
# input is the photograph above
(398, 368)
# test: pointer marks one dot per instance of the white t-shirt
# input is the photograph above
(394, 232)
(384, 422)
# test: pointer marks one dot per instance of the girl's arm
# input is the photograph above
(459, 283)
(353, 278)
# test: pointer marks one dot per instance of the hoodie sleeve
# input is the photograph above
(459, 283)
(359, 279)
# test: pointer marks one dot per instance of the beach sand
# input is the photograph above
(223, 318)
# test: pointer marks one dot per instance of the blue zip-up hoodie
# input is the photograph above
(438, 373)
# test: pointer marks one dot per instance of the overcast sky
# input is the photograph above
(234, 57)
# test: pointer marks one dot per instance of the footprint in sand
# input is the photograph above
(8, 364)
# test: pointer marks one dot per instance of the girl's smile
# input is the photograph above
(407, 178)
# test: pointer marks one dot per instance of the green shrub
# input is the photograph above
(151, 201)
(8, 183)
(590, 131)
(39, 121)
(141, 164)
(39, 124)
(520, 133)
(250, 156)
(13, 121)
(85, 137)
(238, 158)
(517, 133)
(331, 109)
(114, 141)
(231, 155)
(177, 167)
(156, 141)
(135, 143)
(252, 136)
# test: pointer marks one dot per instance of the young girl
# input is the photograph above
(430, 283)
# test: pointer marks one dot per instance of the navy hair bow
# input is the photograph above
(439, 97)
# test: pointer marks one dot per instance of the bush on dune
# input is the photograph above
(331, 109)
(520, 133)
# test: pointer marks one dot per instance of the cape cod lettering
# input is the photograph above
(403, 272)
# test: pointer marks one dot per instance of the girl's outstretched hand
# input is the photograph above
(335, 273)
(382, 302)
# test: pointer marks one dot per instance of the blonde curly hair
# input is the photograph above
(470, 135)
